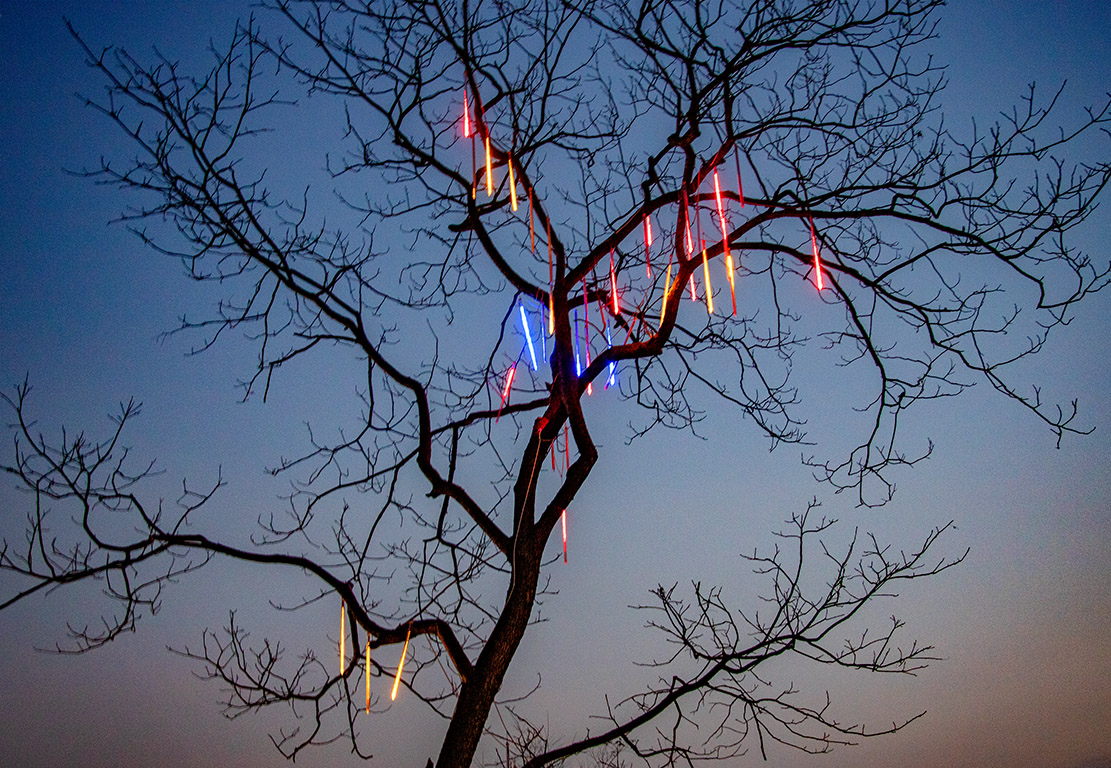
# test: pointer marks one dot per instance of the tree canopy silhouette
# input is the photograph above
(543, 203)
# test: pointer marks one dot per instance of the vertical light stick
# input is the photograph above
(613, 286)
(706, 278)
(817, 260)
(512, 185)
(563, 521)
(505, 390)
(489, 168)
(401, 664)
(466, 116)
(342, 634)
(528, 335)
(724, 240)
(612, 380)
(586, 334)
(368, 675)
(648, 243)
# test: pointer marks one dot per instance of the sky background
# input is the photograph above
(1024, 625)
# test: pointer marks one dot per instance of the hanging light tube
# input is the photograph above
(489, 168)
(342, 636)
(817, 260)
(401, 664)
(528, 335)
(512, 185)
(368, 675)
(612, 380)
(505, 390)
(613, 286)
(563, 522)
(466, 116)
(706, 279)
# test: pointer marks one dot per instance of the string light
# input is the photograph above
(505, 390)
(817, 261)
(706, 279)
(368, 675)
(528, 336)
(401, 664)
(613, 286)
(512, 185)
(648, 243)
(489, 168)
(342, 635)
(466, 116)
(563, 522)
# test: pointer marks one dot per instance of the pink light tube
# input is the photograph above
(613, 286)
(563, 520)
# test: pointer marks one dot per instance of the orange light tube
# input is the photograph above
(512, 186)
(466, 116)
(489, 169)
(732, 285)
(342, 635)
(368, 675)
(706, 279)
(401, 665)
(721, 213)
(817, 260)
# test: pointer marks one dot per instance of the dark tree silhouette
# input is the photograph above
(791, 151)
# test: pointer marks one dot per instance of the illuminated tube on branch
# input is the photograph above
(489, 168)
(563, 522)
(613, 286)
(505, 389)
(724, 241)
(706, 279)
(612, 380)
(512, 185)
(342, 635)
(817, 261)
(466, 116)
(401, 664)
(648, 243)
(368, 675)
(528, 336)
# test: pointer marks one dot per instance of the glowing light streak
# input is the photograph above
(575, 319)
(694, 296)
(489, 168)
(528, 336)
(543, 338)
(667, 283)
(505, 389)
(721, 214)
(512, 186)
(563, 521)
(732, 285)
(368, 675)
(342, 636)
(648, 244)
(817, 260)
(551, 314)
(706, 278)
(466, 116)
(474, 167)
(613, 286)
(401, 664)
(612, 380)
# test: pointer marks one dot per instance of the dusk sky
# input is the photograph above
(1023, 625)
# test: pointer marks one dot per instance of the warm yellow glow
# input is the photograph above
(368, 675)
(512, 186)
(551, 314)
(706, 279)
(721, 213)
(342, 635)
(466, 117)
(400, 665)
(732, 286)
(489, 170)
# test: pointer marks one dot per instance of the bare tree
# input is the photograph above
(576, 169)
